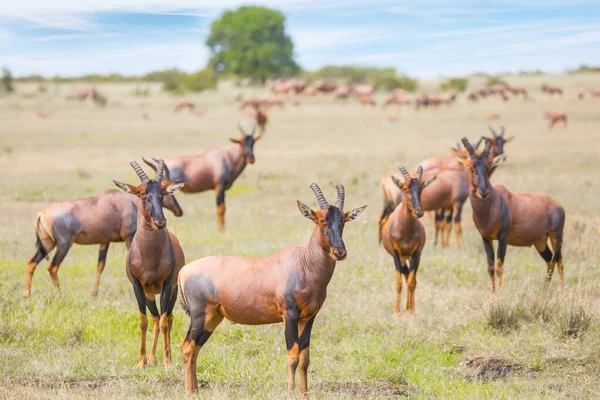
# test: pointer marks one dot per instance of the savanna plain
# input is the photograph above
(461, 343)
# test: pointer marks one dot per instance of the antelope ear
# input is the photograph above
(397, 182)
(498, 160)
(236, 141)
(354, 214)
(307, 212)
(127, 188)
(170, 188)
(429, 181)
(508, 139)
(464, 161)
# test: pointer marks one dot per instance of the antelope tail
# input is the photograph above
(44, 239)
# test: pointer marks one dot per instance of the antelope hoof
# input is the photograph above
(26, 293)
(167, 363)
(397, 314)
(142, 363)
(95, 292)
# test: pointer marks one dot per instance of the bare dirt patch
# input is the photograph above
(369, 389)
(490, 368)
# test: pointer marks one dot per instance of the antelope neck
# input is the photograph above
(315, 260)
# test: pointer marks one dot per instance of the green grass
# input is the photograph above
(76, 346)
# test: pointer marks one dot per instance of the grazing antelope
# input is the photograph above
(280, 86)
(289, 286)
(83, 92)
(342, 92)
(362, 89)
(214, 169)
(554, 118)
(41, 115)
(516, 219)
(397, 96)
(595, 92)
(403, 235)
(580, 94)
(98, 98)
(325, 86)
(493, 115)
(365, 100)
(551, 90)
(472, 95)
(184, 104)
(109, 217)
(518, 90)
(261, 120)
(154, 259)
(257, 102)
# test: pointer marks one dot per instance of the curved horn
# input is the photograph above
(478, 143)
(138, 170)
(488, 146)
(323, 204)
(492, 130)
(502, 131)
(241, 129)
(405, 173)
(468, 146)
(160, 170)
(150, 164)
(341, 195)
(253, 130)
(419, 172)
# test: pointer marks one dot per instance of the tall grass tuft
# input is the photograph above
(502, 316)
(573, 319)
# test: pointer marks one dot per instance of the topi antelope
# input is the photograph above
(403, 235)
(154, 259)
(261, 118)
(554, 118)
(289, 286)
(516, 219)
(109, 217)
(551, 90)
(214, 169)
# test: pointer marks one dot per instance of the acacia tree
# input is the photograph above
(251, 41)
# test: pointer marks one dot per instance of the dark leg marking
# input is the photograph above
(546, 254)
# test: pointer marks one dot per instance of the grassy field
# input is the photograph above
(460, 344)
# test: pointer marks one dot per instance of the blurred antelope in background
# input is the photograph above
(516, 219)
(185, 104)
(403, 235)
(214, 169)
(289, 286)
(109, 217)
(154, 259)
(551, 90)
(554, 118)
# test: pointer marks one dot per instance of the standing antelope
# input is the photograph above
(403, 235)
(214, 169)
(109, 217)
(154, 259)
(289, 286)
(516, 219)
(261, 119)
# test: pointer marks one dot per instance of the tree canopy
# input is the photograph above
(251, 41)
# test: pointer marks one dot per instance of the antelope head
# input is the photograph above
(498, 140)
(169, 201)
(331, 220)
(247, 142)
(151, 192)
(479, 166)
(412, 188)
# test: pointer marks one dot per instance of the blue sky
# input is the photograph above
(421, 38)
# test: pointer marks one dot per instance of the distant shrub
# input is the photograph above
(42, 88)
(396, 82)
(7, 81)
(584, 69)
(456, 84)
(141, 91)
(495, 80)
(178, 82)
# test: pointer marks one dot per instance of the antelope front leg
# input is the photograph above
(290, 322)
(305, 329)
(411, 282)
(141, 300)
(502, 243)
(489, 251)
(398, 265)
(100, 268)
(151, 304)
(221, 207)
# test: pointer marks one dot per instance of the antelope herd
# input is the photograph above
(290, 286)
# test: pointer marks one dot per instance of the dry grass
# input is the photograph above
(76, 346)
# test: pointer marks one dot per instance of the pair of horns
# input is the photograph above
(323, 204)
(494, 132)
(243, 132)
(160, 170)
(471, 149)
(405, 173)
